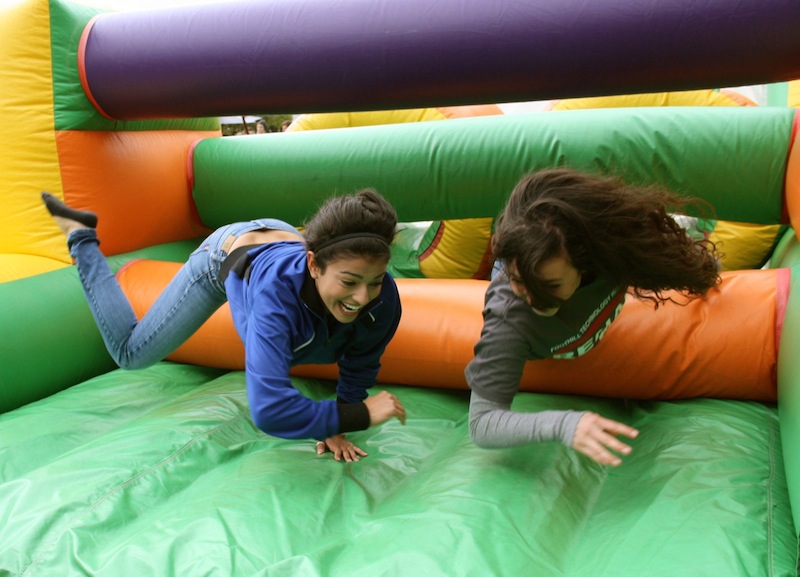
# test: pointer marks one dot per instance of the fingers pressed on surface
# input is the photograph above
(400, 410)
(596, 438)
(348, 453)
(616, 428)
(598, 453)
(613, 443)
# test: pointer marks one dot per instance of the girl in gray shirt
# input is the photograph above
(570, 246)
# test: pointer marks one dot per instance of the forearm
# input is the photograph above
(493, 424)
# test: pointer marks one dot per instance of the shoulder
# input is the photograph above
(277, 271)
(502, 304)
(279, 258)
(389, 289)
(507, 321)
(388, 308)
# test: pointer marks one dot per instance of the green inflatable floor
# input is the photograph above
(161, 472)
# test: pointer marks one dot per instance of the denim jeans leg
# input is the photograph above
(190, 298)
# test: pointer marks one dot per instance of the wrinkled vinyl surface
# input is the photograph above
(161, 472)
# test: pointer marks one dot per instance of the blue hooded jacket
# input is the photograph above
(282, 321)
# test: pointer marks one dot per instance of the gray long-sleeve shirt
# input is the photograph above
(512, 335)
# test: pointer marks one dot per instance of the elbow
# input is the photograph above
(265, 425)
(477, 434)
(272, 425)
(480, 442)
(293, 422)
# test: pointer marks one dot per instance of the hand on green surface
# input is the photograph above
(341, 448)
(383, 407)
(596, 437)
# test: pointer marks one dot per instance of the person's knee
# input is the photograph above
(131, 363)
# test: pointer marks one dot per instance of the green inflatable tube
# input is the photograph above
(50, 335)
(466, 168)
(787, 254)
(49, 340)
(789, 396)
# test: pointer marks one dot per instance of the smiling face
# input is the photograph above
(558, 275)
(348, 284)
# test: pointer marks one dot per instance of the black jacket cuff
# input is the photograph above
(353, 417)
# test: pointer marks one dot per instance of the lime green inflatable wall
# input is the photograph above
(52, 342)
(466, 167)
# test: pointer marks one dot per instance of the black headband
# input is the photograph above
(340, 238)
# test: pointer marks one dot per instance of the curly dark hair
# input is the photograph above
(364, 211)
(605, 227)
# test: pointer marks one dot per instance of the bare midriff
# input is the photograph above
(263, 237)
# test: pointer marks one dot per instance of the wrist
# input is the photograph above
(353, 417)
(569, 425)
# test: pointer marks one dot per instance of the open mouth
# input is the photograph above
(349, 310)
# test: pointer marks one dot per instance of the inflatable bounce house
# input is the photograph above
(161, 471)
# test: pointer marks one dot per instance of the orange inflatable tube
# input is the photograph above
(102, 171)
(722, 346)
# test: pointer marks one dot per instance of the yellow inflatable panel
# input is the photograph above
(743, 245)
(376, 117)
(354, 119)
(17, 266)
(686, 98)
(793, 100)
(28, 155)
(459, 250)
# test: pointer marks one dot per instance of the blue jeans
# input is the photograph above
(189, 300)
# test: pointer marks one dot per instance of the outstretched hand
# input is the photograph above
(596, 437)
(383, 407)
(341, 449)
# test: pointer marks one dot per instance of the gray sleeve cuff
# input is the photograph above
(494, 424)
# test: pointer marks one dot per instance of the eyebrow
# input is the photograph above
(361, 277)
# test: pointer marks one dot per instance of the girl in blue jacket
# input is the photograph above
(321, 297)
